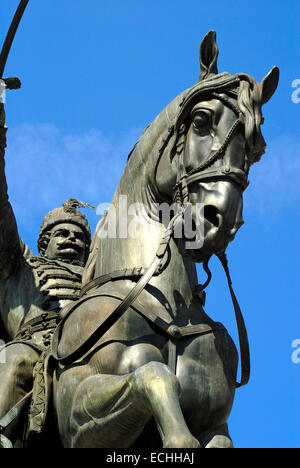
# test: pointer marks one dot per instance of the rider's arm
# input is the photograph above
(10, 249)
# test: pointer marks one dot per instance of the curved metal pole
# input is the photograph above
(11, 34)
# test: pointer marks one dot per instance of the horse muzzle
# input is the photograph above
(207, 231)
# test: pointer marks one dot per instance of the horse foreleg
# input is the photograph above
(111, 411)
(160, 388)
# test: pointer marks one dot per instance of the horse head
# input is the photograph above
(215, 138)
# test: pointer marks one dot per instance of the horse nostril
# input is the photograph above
(212, 215)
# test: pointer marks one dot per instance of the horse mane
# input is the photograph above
(155, 135)
(249, 102)
(150, 146)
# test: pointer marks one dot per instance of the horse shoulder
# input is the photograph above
(83, 321)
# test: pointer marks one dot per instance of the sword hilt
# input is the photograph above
(12, 83)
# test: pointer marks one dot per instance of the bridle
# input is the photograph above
(204, 171)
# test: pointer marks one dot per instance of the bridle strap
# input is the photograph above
(231, 173)
(242, 332)
(106, 325)
(205, 172)
(186, 178)
(132, 296)
(219, 152)
(126, 273)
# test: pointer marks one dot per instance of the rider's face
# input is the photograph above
(67, 241)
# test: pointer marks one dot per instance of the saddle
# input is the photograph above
(152, 315)
(171, 331)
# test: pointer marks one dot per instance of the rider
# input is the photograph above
(33, 289)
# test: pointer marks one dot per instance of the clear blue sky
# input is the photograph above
(94, 74)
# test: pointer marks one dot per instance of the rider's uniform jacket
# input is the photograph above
(32, 289)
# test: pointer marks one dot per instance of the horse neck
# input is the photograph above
(126, 247)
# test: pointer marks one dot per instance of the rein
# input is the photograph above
(242, 331)
(119, 311)
(204, 172)
(173, 332)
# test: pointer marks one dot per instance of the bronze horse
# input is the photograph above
(138, 346)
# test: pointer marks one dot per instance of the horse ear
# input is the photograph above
(208, 55)
(269, 84)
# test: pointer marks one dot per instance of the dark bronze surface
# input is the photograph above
(199, 150)
(158, 356)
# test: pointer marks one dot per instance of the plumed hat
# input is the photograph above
(68, 213)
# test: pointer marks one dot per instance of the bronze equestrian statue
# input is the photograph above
(138, 346)
(136, 361)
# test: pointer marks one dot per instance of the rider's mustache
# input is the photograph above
(68, 244)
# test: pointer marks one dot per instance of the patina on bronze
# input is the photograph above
(135, 361)
(138, 346)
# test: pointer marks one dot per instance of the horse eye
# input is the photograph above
(201, 120)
